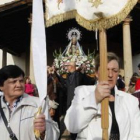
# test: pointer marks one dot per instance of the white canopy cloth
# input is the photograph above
(3, 2)
(91, 14)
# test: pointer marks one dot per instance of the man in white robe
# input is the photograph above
(84, 115)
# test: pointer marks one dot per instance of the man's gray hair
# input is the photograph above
(110, 56)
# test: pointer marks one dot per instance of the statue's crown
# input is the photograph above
(74, 33)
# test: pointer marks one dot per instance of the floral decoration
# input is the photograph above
(86, 61)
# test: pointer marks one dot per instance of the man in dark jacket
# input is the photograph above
(74, 79)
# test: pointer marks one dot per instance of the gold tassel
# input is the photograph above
(61, 18)
(37, 132)
(59, 1)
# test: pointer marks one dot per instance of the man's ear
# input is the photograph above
(1, 88)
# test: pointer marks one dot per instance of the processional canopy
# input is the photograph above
(91, 14)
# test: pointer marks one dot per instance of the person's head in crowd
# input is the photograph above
(52, 107)
(120, 76)
(71, 66)
(27, 80)
(139, 67)
(120, 83)
(83, 68)
(48, 69)
(135, 74)
(112, 68)
(133, 80)
(12, 82)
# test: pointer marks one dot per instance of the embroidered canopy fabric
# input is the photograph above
(91, 14)
(3, 2)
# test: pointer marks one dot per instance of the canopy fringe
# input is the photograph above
(61, 18)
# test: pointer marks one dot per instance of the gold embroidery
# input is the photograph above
(91, 25)
(59, 1)
(95, 3)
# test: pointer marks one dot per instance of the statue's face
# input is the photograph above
(74, 40)
(73, 46)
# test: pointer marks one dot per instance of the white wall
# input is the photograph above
(11, 60)
(136, 61)
(19, 61)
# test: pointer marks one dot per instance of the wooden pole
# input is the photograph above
(103, 77)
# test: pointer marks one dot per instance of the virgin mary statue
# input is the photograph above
(73, 48)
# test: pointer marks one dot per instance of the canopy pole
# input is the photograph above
(103, 76)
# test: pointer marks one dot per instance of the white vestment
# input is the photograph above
(84, 115)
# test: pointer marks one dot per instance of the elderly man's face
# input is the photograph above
(113, 72)
(13, 87)
(69, 67)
